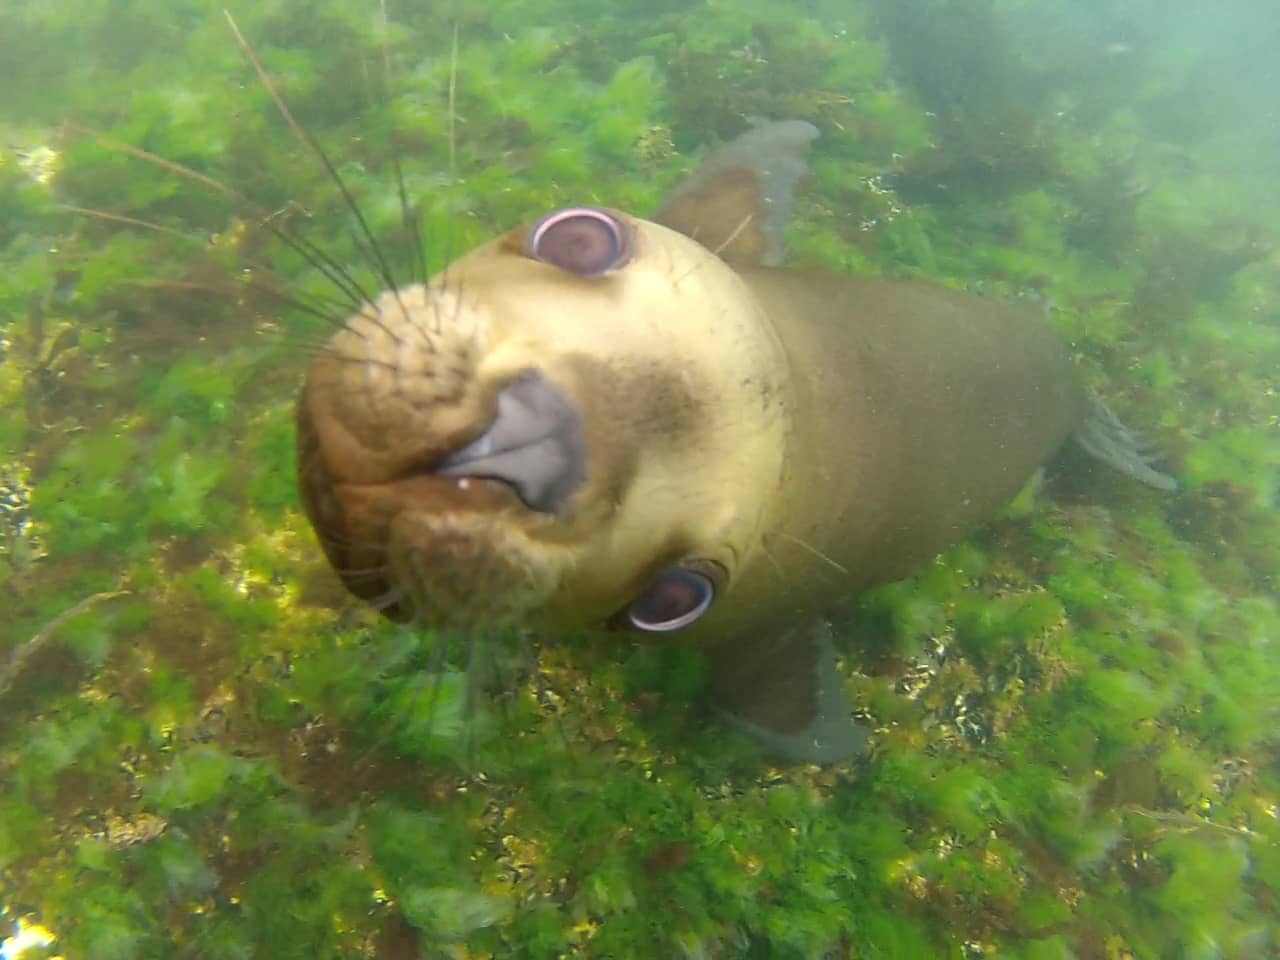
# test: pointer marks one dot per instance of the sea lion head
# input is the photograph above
(579, 424)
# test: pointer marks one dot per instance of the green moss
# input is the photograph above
(1075, 709)
(197, 392)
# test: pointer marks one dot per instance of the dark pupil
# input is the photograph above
(675, 599)
(586, 244)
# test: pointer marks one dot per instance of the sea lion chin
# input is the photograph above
(599, 422)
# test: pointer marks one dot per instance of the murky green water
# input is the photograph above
(207, 750)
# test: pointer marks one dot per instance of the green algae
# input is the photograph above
(1076, 710)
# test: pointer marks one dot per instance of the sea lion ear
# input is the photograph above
(787, 694)
(737, 203)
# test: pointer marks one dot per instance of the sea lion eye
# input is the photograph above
(582, 240)
(676, 598)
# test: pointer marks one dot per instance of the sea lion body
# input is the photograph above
(602, 422)
(916, 412)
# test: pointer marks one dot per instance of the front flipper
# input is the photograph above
(737, 203)
(788, 695)
(1103, 437)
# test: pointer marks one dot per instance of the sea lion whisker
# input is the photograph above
(435, 667)
(349, 325)
(364, 573)
(333, 271)
(366, 361)
(419, 269)
(773, 561)
(133, 222)
(363, 237)
(388, 726)
(704, 258)
(426, 329)
(477, 646)
(452, 116)
(728, 241)
(317, 309)
(312, 345)
(453, 106)
(458, 299)
(424, 336)
(321, 308)
(814, 551)
(233, 292)
(156, 160)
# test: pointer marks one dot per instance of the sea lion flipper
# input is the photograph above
(789, 696)
(1104, 437)
(737, 203)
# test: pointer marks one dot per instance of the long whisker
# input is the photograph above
(435, 667)
(506, 680)
(156, 160)
(418, 267)
(724, 245)
(364, 237)
(131, 222)
(453, 106)
(453, 158)
(289, 300)
(477, 652)
(387, 728)
(773, 561)
(728, 241)
(814, 551)
(332, 270)
(321, 308)
(325, 263)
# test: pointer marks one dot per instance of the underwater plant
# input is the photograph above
(205, 752)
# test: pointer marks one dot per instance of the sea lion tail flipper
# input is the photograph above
(737, 203)
(1103, 437)
(788, 695)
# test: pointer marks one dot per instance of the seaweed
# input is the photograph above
(1075, 711)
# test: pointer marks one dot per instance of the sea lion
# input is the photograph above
(600, 422)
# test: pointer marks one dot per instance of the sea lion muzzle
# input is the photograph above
(534, 444)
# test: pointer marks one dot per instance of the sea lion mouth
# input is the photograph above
(534, 444)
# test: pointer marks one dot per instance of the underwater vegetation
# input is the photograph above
(206, 752)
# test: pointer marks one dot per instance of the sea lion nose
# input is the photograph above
(535, 444)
